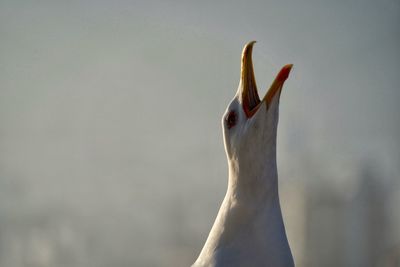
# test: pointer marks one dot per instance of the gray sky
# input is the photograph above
(102, 102)
(169, 69)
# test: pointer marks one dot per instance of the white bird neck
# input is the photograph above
(250, 221)
(252, 199)
(254, 182)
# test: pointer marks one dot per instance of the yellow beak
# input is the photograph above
(248, 90)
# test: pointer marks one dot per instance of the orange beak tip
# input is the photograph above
(284, 73)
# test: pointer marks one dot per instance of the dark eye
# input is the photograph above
(231, 119)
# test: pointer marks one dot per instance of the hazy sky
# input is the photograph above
(143, 73)
(106, 101)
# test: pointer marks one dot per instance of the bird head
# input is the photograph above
(250, 123)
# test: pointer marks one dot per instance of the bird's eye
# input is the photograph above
(231, 119)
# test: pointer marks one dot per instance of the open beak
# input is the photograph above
(248, 90)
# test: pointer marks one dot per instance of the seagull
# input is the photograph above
(249, 229)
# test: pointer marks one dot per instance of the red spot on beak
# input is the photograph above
(284, 73)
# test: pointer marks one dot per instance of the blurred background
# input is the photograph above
(111, 149)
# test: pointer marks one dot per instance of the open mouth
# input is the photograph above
(249, 94)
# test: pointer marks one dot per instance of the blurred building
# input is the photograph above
(345, 226)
